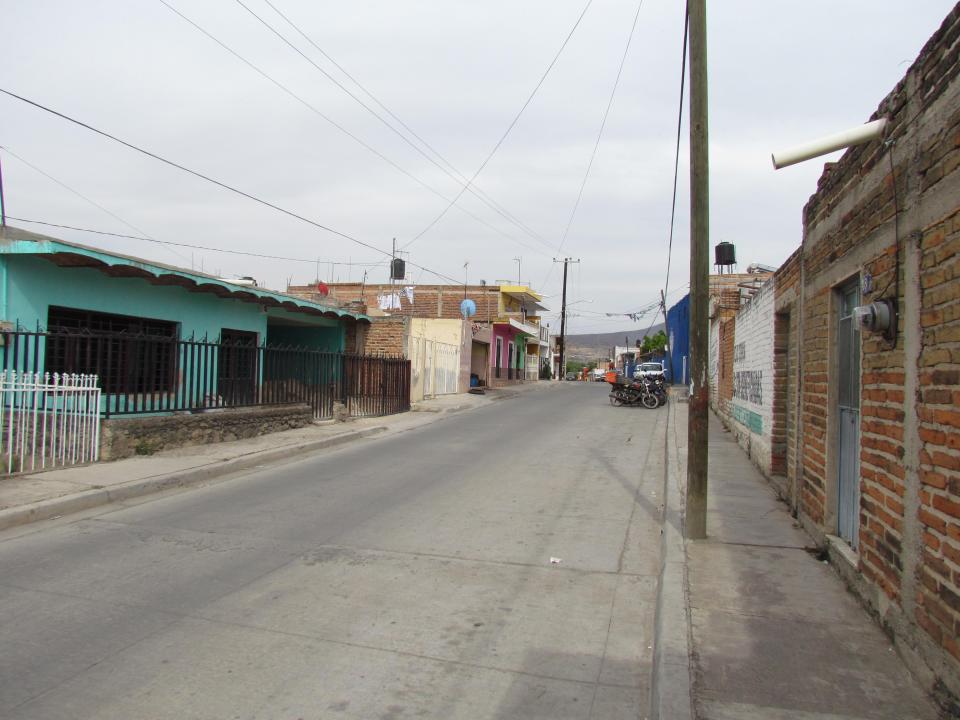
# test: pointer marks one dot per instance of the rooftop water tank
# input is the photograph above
(725, 254)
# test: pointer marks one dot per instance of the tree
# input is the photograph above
(654, 343)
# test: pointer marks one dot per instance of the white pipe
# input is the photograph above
(824, 145)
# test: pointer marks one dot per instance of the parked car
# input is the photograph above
(571, 376)
(648, 370)
(597, 374)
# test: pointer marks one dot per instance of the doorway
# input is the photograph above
(237, 367)
(848, 414)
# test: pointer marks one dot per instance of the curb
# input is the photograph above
(670, 689)
(68, 504)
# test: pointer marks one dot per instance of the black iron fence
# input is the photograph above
(144, 374)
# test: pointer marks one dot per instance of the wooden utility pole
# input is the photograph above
(698, 419)
(563, 323)
(3, 206)
(563, 319)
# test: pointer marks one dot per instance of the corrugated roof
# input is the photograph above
(14, 241)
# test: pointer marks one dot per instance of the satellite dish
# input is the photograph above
(468, 308)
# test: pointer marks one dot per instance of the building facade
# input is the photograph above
(507, 342)
(856, 420)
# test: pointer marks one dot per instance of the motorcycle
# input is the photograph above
(635, 392)
(658, 387)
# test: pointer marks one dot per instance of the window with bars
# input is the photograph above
(129, 354)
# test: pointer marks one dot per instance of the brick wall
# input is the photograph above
(938, 598)
(388, 336)
(813, 407)
(429, 301)
(886, 217)
(786, 412)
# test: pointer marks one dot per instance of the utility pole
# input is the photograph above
(3, 205)
(518, 271)
(698, 418)
(563, 318)
(666, 331)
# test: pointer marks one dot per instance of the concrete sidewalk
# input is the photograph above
(51, 494)
(772, 630)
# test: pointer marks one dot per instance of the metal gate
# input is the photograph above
(848, 415)
(435, 367)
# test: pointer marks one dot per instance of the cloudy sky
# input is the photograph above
(456, 74)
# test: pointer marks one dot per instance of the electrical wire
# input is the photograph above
(81, 196)
(219, 183)
(510, 127)
(459, 180)
(596, 144)
(334, 123)
(312, 261)
(676, 160)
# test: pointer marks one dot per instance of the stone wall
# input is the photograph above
(125, 437)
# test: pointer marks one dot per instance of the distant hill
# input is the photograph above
(591, 346)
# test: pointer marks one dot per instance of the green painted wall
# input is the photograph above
(331, 339)
(31, 284)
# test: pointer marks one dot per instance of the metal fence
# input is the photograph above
(143, 374)
(48, 420)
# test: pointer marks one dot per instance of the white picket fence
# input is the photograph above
(435, 368)
(48, 420)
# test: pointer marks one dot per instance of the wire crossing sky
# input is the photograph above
(441, 83)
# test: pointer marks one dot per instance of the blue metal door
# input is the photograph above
(848, 415)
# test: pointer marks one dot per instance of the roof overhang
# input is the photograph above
(14, 241)
(525, 295)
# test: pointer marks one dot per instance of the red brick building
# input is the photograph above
(865, 431)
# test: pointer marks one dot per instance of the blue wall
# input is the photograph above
(678, 337)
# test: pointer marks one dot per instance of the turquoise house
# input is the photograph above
(74, 291)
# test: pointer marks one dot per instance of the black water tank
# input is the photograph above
(398, 269)
(725, 254)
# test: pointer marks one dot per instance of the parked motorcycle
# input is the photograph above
(634, 392)
(658, 387)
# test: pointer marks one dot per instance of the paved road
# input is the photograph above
(406, 576)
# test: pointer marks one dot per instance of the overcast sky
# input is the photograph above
(456, 73)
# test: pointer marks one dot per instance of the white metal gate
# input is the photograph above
(531, 367)
(48, 420)
(435, 367)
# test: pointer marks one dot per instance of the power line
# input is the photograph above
(596, 143)
(79, 195)
(458, 177)
(312, 261)
(676, 159)
(331, 121)
(509, 127)
(225, 186)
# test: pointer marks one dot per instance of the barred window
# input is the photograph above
(129, 354)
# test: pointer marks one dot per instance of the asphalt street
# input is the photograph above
(498, 563)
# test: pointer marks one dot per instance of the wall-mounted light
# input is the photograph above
(879, 316)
